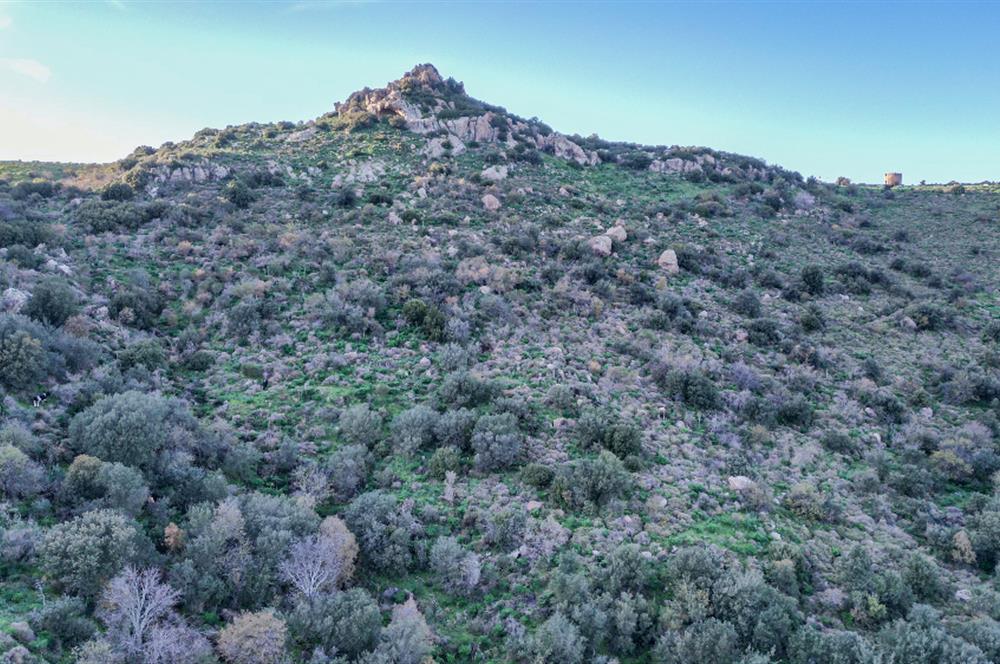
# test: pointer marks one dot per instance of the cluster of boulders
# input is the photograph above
(452, 133)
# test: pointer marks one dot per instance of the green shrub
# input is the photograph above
(413, 429)
(454, 429)
(591, 483)
(812, 319)
(239, 194)
(20, 477)
(558, 640)
(346, 622)
(22, 358)
(456, 569)
(26, 188)
(813, 280)
(348, 468)
(65, 622)
(137, 305)
(360, 425)
(82, 554)
(28, 234)
(147, 353)
(52, 301)
(747, 304)
(388, 536)
(128, 428)
(689, 386)
(443, 460)
(99, 216)
(538, 475)
(462, 389)
(118, 191)
(497, 442)
(599, 429)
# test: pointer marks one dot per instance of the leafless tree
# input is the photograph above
(132, 605)
(316, 563)
(176, 644)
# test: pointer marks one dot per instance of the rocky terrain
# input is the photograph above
(421, 380)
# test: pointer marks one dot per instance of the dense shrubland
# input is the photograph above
(293, 393)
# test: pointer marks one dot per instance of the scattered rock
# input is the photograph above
(533, 505)
(674, 165)
(741, 483)
(491, 202)
(494, 173)
(600, 245)
(617, 233)
(908, 323)
(668, 262)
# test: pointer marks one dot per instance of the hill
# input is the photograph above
(422, 378)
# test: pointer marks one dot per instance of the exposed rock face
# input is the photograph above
(397, 99)
(668, 262)
(366, 171)
(567, 149)
(391, 100)
(675, 165)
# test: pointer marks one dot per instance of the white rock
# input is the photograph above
(740, 483)
(617, 233)
(494, 173)
(600, 245)
(491, 202)
(668, 262)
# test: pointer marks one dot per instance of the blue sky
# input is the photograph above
(825, 88)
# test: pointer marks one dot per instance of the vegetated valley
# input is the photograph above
(421, 380)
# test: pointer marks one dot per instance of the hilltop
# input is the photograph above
(423, 379)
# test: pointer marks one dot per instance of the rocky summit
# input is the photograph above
(424, 381)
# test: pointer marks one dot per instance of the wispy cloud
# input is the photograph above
(26, 67)
(5, 21)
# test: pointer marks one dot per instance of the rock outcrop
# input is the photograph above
(426, 103)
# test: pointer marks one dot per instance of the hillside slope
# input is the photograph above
(424, 379)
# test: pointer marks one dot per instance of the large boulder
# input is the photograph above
(600, 245)
(494, 173)
(491, 202)
(668, 262)
(617, 233)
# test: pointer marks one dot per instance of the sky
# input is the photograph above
(824, 88)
